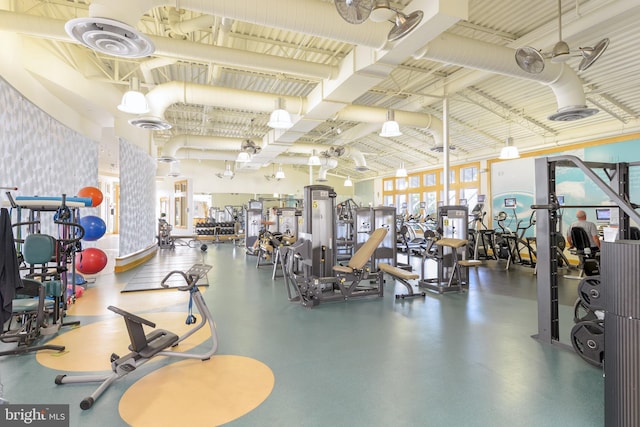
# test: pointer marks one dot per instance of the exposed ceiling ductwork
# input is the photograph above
(206, 55)
(469, 53)
(217, 148)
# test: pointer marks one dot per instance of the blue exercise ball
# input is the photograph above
(94, 227)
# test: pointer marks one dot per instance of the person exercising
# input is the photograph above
(589, 227)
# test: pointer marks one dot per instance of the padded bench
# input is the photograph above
(403, 276)
(456, 244)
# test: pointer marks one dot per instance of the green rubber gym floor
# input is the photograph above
(456, 359)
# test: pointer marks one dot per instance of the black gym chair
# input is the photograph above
(587, 255)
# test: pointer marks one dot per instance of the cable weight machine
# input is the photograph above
(619, 275)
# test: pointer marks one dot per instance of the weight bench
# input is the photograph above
(310, 291)
(402, 276)
(144, 347)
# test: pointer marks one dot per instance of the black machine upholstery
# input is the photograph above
(580, 240)
(587, 255)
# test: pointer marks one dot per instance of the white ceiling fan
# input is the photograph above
(532, 60)
(358, 11)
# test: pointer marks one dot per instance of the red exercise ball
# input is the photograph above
(91, 261)
(92, 193)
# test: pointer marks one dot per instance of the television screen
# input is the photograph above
(560, 200)
(603, 214)
(481, 198)
(510, 202)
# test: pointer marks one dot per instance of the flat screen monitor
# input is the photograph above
(481, 198)
(510, 202)
(560, 200)
(603, 215)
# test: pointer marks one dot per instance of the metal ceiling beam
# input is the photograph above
(505, 111)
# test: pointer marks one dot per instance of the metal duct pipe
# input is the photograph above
(183, 28)
(195, 154)
(453, 49)
(308, 17)
(208, 143)
(358, 113)
(147, 66)
(325, 166)
(184, 49)
(53, 29)
(164, 95)
(358, 158)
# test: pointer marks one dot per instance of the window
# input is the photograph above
(401, 184)
(429, 179)
(388, 185)
(414, 204)
(401, 203)
(452, 177)
(427, 189)
(431, 200)
(469, 174)
(471, 194)
(180, 204)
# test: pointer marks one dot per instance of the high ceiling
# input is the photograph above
(220, 66)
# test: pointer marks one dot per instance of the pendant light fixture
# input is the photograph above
(243, 157)
(314, 160)
(390, 128)
(134, 101)
(509, 151)
(280, 118)
(401, 172)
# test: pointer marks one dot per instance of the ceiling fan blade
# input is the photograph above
(354, 11)
(404, 24)
(591, 55)
(530, 60)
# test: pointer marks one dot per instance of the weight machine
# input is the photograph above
(253, 224)
(287, 221)
(312, 273)
(547, 208)
(451, 274)
(165, 240)
(355, 279)
(369, 219)
(319, 227)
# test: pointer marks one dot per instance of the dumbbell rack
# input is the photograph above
(216, 231)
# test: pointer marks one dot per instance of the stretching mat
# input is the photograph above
(149, 275)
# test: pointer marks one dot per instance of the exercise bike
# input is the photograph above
(146, 346)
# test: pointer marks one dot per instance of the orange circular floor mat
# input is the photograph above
(220, 390)
(89, 347)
